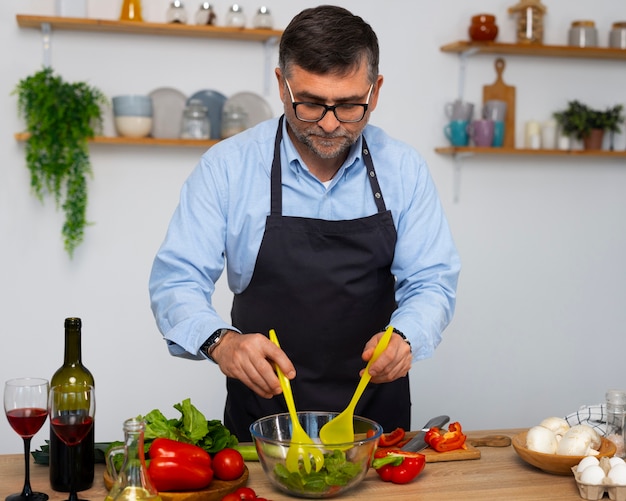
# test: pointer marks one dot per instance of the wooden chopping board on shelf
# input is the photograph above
(503, 92)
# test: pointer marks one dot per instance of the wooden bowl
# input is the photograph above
(216, 490)
(555, 463)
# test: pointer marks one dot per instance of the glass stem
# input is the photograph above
(73, 493)
(27, 491)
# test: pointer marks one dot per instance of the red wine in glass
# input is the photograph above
(25, 405)
(72, 407)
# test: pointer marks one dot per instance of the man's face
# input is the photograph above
(327, 138)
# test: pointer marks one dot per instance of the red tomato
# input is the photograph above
(246, 494)
(228, 464)
(231, 497)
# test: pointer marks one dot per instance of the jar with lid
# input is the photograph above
(196, 123)
(617, 35)
(583, 34)
(205, 14)
(131, 11)
(529, 21)
(234, 121)
(615, 420)
(263, 18)
(483, 28)
(132, 483)
(235, 17)
(176, 13)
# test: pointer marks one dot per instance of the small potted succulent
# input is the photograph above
(60, 117)
(587, 124)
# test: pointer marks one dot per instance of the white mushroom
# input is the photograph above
(556, 425)
(580, 440)
(540, 439)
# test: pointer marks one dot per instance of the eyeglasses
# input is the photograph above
(344, 112)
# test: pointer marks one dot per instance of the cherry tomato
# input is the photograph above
(246, 494)
(391, 439)
(231, 497)
(228, 464)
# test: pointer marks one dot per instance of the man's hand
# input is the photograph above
(393, 363)
(250, 358)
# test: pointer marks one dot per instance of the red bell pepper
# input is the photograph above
(397, 466)
(391, 439)
(443, 441)
(177, 466)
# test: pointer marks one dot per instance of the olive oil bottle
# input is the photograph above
(72, 371)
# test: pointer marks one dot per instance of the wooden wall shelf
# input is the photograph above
(142, 141)
(471, 150)
(145, 28)
(535, 50)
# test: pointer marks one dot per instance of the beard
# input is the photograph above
(322, 144)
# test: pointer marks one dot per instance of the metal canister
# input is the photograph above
(583, 34)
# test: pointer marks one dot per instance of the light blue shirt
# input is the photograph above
(220, 222)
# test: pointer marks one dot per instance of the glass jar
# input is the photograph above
(234, 121)
(131, 11)
(615, 420)
(263, 19)
(205, 14)
(617, 35)
(529, 21)
(583, 34)
(235, 17)
(483, 28)
(176, 13)
(132, 482)
(196, 123)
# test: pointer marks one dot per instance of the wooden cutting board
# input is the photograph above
(503, 92)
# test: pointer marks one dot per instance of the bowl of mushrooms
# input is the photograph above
(555, 447)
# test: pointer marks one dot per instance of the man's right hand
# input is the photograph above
(250, 358)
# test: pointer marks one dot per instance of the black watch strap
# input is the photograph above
(211, 343)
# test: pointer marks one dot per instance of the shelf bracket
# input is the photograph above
(46, 31)
(462, 69)
(456, 180)
(268, 49)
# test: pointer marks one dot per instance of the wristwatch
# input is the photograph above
(210, 344)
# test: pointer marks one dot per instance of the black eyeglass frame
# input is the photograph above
(327, 108)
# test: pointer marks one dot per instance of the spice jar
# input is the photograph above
(583, 34)
(195, 121)
(617, 35)
(263, 19)
(131, 11)
(615, 420)
(483, 28)
(529, 21)
(176, 13)
(205, 14)
(234, 121)
(235, 17)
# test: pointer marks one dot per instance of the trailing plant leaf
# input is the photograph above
(60, 117)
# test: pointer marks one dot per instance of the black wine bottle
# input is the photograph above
(72, 371)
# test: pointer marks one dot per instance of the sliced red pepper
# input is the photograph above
(177, 466)
(397, 466)
(443, 441)
(391, 439)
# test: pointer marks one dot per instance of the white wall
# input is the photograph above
(540, 317)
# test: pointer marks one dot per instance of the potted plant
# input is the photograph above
(60, 117)
(588, 124)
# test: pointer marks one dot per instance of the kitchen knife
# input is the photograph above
(417, 443)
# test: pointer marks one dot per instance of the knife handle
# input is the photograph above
(490, 441)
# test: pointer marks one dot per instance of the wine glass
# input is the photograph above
(72, 407)
(25, 403)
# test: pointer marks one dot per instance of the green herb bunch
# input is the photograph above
(60, 118)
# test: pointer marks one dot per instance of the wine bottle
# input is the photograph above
(72, 371)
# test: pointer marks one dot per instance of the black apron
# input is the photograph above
(326, 287)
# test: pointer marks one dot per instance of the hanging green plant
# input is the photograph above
(60, 118)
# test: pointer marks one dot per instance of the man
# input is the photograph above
(318, 243)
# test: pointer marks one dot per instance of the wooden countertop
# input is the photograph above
(499, 475)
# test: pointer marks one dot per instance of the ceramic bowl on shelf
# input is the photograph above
(133, 126)
(272, 438)
(555, 463)
(132, 105)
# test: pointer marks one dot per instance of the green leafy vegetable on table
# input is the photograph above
(191, 427)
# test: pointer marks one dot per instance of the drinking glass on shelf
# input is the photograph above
(25, 405)
(72, 407)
